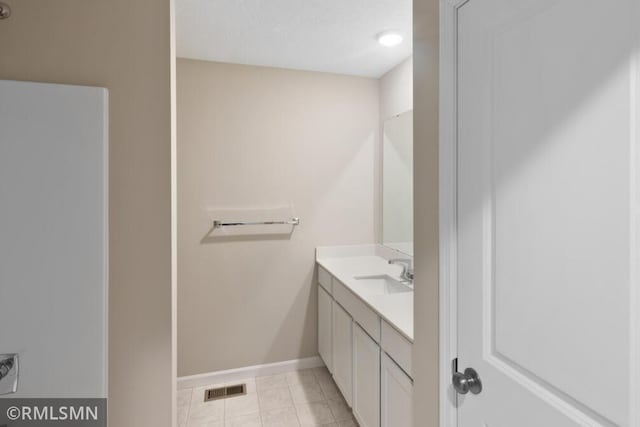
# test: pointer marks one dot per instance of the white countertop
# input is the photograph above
(346, 263)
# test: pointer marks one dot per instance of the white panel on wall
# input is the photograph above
(54, 237)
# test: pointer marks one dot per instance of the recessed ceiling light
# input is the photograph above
(389, 38)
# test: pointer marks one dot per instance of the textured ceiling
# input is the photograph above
(337, 36)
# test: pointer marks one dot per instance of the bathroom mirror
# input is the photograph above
(397, 183)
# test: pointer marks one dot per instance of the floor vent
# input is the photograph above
(224, 392)
(236, 390)
(215, 393)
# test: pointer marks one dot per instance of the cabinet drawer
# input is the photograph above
(397, 347)
(324, 278)
(363, 315)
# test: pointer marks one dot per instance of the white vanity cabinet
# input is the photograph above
(396, 389)
(343, 351)
(369, 359)
(366, 378)
(325, 345)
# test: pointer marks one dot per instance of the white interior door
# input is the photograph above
(53, 238)
(547, 212)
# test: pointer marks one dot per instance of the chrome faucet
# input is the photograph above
(407, 267)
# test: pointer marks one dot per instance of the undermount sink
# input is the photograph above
(384, 284)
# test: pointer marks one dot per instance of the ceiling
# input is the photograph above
(336, 36)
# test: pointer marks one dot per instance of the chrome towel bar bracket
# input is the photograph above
(220, 224)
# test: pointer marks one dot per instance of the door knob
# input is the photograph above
(8, 373)
(5, 367)
(466, 382)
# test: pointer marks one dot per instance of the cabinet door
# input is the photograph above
(396, 395)
(366, 379)
(342, 351)
(324, 328)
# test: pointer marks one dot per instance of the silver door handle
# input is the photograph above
(8, 373)
(6, 366)
(466, 382)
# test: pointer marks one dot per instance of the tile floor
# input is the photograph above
(294, 399)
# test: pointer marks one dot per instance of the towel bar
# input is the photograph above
(220, 224)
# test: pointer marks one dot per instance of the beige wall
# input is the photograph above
(425, 101)
(396, 90)
(252, 137)
(125, 47)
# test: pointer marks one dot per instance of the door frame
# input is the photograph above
(448, 141)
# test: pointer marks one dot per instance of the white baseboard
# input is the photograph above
(248, 372)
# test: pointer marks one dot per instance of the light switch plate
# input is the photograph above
(9, 383)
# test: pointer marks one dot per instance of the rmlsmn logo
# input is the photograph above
(51, 413)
